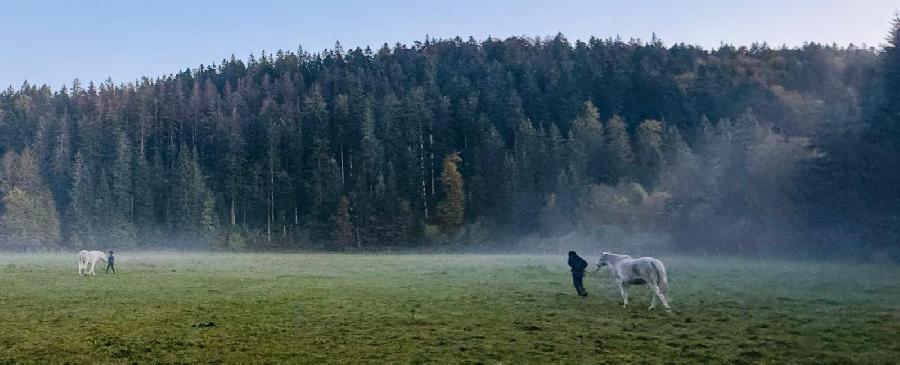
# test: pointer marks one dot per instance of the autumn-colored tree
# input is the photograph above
(451, 210)
(29, 220)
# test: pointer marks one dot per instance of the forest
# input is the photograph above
(750, 150)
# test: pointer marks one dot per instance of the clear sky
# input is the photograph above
(50, 41)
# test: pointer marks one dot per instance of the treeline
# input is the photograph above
(457, 141)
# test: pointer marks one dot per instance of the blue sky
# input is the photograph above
(55, 41)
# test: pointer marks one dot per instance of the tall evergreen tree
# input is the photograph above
(587, 142)
(81, 211)
(617, 151)
(343, 231)
(192, 204)
(881, 176)
(648, 152)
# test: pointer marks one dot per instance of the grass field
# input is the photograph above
(298, 308)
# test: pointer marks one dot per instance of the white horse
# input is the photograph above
(86, 258)
(644, 270)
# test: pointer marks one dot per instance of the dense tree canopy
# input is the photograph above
(730, 150)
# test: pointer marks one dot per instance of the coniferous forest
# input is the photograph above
(452, 142)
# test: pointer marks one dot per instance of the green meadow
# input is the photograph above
(336, 308)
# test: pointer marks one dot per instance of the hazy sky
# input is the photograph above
(53, 42)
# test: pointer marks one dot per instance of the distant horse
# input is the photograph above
(644, 270)
(86, 258)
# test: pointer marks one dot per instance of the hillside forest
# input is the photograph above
(751, 150)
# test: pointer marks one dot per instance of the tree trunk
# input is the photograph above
(270, 215)
(233, 216)
(431, 167)
(422, 168)
(342, 164)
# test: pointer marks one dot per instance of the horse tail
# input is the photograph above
(662, 280)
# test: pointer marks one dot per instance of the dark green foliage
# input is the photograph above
(617, 154)
(191, 213)
(343, 233)
(849, 196)
(294, 150)
(587, 143)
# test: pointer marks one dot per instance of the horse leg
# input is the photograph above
(652, 300)
(624, 294)
(662, 298)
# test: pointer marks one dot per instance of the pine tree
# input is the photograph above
(61, 163)
(882, 150)
(80, 213)
(191, 211)
(143, 204)
(649, 152)
(528, 153)
(617, 151)
(487, 192)
(890, 78)
(122, 178)
(587, 142)
(343, 232)
(121, 224)
(556, 156)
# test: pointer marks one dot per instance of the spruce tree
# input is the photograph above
(587, 142)
(343, 229)
(617, 151)
(648, 152)
(121, 224)
(191, 211)
(80, 213)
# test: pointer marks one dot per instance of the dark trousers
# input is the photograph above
(577, 281)
(110, 266)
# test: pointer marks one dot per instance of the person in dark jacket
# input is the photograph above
(577, 264)
(110, 263)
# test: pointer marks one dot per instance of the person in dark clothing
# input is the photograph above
(577, 264)
(110, 263)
